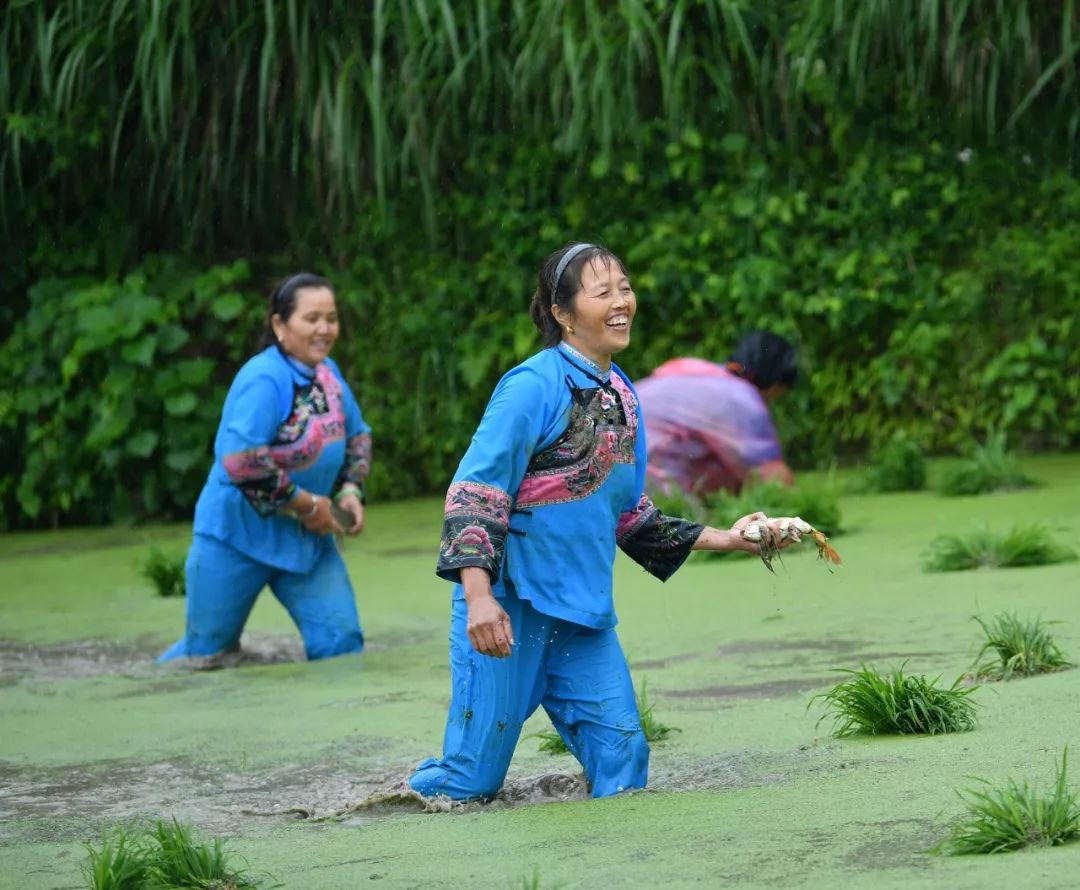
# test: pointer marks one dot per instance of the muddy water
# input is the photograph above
(301, 764)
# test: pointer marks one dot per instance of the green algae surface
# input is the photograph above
(275, 754)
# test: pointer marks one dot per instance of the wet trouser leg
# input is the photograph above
(222, 585)
(590, 699)
(323, 606)
(491, 698)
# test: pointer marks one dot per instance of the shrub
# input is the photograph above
(1015, 816)
(1019, 648)
(872, 704)
(898, 465)
(164, 571)
(1023, 545)
(989, 467)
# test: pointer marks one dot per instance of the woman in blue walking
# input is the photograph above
(552, 482)
(291, 438)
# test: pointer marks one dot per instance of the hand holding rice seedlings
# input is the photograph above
(792, 528)
(990, 467)
(1022, 648)
(655, 730)
(871, 704)
(165, 572)
(999, 820)
(1024, 545)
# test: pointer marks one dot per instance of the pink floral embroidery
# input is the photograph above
(580, 462)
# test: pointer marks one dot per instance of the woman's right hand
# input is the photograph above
(488, 625)
(322, 521)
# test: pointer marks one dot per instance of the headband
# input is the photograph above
(565, 261)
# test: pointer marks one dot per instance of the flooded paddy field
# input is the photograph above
(300, 765)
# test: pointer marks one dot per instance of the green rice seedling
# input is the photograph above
(120, 863)
(899, 465)
(1017, 648)
(1015, 816)
(818, 505)
(550, 742)
(869, 703)
(164, 571)
(1028, 544)
(655, 730)
(1031, 545)
(989, 467)
(179, 861)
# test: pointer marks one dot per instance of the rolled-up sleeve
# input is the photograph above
(479, 501)
(249, 421)
(658, 543)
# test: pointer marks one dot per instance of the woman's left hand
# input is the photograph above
(351, 503)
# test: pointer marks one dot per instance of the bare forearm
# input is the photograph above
(723, 541)
(476, 582)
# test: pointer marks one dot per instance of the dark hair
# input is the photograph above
(548, 294)
(283, 301)
(765, 359)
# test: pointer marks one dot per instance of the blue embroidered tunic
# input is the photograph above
(284, 426)
(553, 480)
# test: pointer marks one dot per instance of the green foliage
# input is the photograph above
(164, 571)
(655, 729)
(818, 505)
(180, 861)
(164, 856)
(870, 703)
(990, 467)
(120, 863)
(1025, 544)
(898, 465)
(1015, 816)
(1017, 648)
(330, 109)
(122, 385)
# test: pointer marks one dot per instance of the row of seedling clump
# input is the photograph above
(900, 465)
(997, 819)
(162, 856)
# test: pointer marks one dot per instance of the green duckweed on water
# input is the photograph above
(296, 765)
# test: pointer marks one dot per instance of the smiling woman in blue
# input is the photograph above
(551, 484)
(291, 437)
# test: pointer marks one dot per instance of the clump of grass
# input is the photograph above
(164, 571)
(818, 505)
(165, 855)
(1018, 815)
(1030, 544)
(898, 465)
(989, 467)
(869, 703)
(182, 862)
(655, 729)
(121, 863)
(1018, 648)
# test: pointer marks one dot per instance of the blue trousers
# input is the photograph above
(581, 678)
(223, 584)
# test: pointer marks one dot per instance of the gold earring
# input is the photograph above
(569, 329)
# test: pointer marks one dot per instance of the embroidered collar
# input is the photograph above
(582, 363)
